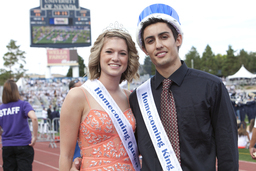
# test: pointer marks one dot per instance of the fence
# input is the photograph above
(48, 131)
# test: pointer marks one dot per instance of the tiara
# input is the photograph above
(115, 26)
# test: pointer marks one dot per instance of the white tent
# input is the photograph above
(21, 83)
(242, 73)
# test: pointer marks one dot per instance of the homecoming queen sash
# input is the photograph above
(123, 127)
(162, 145)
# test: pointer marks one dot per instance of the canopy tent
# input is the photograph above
(21, 83)
(242, 73)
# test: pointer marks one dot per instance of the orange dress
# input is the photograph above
(101, 147)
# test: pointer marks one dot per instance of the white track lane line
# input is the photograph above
(46, 144)
(46, 165)
(56, 154)
(36, 149)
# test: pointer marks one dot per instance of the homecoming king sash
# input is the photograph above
(123, 127)
(162, 145)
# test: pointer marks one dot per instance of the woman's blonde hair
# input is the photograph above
(133, 59)
(242, 129)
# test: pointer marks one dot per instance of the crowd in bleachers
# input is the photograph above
(42, 92)
(49, 94)
(244, 103)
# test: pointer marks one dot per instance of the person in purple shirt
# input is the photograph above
(17, 142)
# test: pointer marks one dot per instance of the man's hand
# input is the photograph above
(76, 164)
(253, 153)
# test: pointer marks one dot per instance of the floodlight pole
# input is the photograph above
(48, 72)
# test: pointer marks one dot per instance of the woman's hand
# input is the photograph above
(76, 164)
(33, 141)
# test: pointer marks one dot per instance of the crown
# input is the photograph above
(115, 26)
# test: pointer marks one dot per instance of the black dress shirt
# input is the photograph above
(206, 122)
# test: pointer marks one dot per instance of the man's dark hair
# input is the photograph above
(72, 83)
(154, 20)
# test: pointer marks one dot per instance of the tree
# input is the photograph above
(230, 65)
(81, 68)
(251, 62)
(14, 61)
(194, 56)
(149, 67)
(208, 62)
(243, 58)
(70, 72)
(220, 59)
(4, 75)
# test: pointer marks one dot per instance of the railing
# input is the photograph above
(48, 131)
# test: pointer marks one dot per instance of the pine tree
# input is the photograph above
(208, 61)
(194, 56)
(81, 68)
(230, 66)
(149, 67)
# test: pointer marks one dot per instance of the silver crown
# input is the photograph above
(115, 26)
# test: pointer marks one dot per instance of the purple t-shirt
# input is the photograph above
(13, 120)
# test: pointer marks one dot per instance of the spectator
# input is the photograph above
(75, 83)
(44, 115)
(17, 150)
(55, 114)
(49, 111)
(243, 136)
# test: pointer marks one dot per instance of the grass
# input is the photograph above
(245, 155)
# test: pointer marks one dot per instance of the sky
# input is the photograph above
(217, 23)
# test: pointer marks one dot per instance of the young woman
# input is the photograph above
(243, 136)
(18, 152)
(113, 59)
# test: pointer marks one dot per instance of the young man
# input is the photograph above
(204, 114)
(205, 117)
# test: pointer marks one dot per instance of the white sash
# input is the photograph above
(162, 145)
(123, 127)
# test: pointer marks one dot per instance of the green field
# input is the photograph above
(245, 155)
(46, 35)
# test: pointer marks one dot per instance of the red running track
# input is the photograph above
(47, 159)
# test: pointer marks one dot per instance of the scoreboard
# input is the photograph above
(60, 28)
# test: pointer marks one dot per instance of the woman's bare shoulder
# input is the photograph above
(75, 95)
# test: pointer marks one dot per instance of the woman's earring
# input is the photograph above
(99, 68)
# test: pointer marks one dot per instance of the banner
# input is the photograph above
(60, 4)
(62, 57)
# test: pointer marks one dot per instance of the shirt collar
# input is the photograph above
(177, 77)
